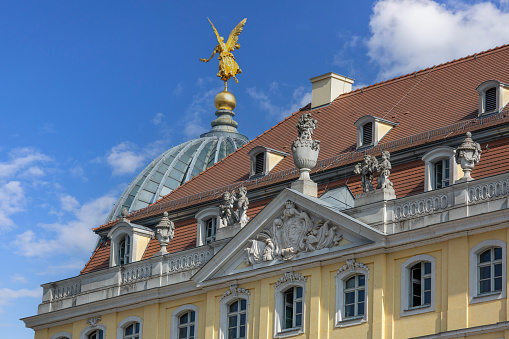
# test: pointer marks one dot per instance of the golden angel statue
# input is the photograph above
(228, 67)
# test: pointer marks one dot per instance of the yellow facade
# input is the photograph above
(452, 308)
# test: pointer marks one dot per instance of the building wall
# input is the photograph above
(452, 309)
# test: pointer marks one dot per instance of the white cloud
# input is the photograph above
(69, 203)
(123, 159)
(12, 200)
(69, 235)
(408, 35)
(7, 295)
(78, 172)
(300, 98)
(20, 159)
(19, 279)
(202, 105)
(178, 90)
(158, 118)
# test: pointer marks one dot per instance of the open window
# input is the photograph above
(440, 168)
(418, 285)
(289, 316)
(208, 223)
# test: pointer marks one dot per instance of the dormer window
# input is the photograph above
(208, 224)
(128, 242)
(440, 168)
(493, 96)
(210, 230)
(264, 159)
(441, 174)
(370, 130)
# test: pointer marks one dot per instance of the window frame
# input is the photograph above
(485, 86)
(474, 294)
(175, 317)
(289, 280)
(91, 328)
(126, 322)
(406, 286)
(347, 271)
(203, 216)
(434, 156)
(230, 296)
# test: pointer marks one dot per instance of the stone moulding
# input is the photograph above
(290, 277)
(188, 262)
(234, 290)
(488, 191)
(421, 207)
(351, 265)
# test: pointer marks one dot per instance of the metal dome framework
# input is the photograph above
(174, 167)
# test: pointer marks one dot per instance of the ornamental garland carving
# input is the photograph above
(234, 290)
(290, 277)
(292, 233)
(94, 321)
(351, 265)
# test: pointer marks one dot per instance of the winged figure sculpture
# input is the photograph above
(228, 67)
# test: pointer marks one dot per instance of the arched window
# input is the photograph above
(234, 308)
(124, 250)
(351, 294)
(440, 168)
(290, 304)
(97, 331)
(97, 334)
(237, 319)
(418, 285)
(130, 328)
(184, 322)
(487, 271)
(210, 230)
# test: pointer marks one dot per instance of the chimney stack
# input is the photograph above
(328, 87)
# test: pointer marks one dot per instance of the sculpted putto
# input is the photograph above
(228, 67)
(292, 233)
(229, 216)
(368, 167)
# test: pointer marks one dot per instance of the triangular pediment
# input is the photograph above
(293, 227)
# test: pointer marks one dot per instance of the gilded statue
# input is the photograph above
(228, 67)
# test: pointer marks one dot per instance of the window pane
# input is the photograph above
(184, 318)
(129, 329)
(242, 332)
(427, 284)
(298, 307)
(243, 304)
(349, 310)
(299, 292)
(183, 333)
(232, 333)
(361, 280)
(298, 320)
(191, 331)
(360, 309)
(427, 298)
(349, 297)
(243, 319)
(234, 307)
(498, 270)
(485, 286)
(427, 268)
(498, 284)
(350, 283)
(232, 321)
(192, 316)
(416, 272)
(416, 300)
(360, 295)
(137, 328)
(484, 272)
(485, 256)
(498, 253)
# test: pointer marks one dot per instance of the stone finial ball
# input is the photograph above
(225, 100)
(469, 135)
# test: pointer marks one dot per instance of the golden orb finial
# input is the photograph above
(225, 100)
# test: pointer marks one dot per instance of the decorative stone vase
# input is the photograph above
(467, 156)
(305, 154)
(164, 233)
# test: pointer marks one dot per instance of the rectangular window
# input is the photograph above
(293, 308)
(489, 270)
(420, 289)
(210, 230)
(441, 173)
(354, 296)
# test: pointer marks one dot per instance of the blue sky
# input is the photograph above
(92, 91)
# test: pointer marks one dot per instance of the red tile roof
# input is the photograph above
(99, 260)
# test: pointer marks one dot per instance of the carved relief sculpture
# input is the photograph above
(164, 233)
(366, 170)
(304, 149)
(467, 156)
(292, 233)
(384, 170)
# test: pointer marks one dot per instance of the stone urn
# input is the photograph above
(305, 150)
(305, 155)
(467, 156)
(164, 233)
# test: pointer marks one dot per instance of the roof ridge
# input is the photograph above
(419, 72)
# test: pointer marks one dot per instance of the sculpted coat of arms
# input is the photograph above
(290, 234)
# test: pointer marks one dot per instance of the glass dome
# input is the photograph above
(180, 163)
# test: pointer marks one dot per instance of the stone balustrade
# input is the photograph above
(114, 281)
